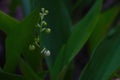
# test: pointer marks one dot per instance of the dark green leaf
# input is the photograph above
(19, 39)
(7, 23)
(105, 59)
(106, 19)
(82, 32)
(81, 4)
(78, 38)
(8, 76)
(28, 73)
(33, 58)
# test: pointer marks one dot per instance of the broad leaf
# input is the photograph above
(7, 23)
(82, 32)
(27, 71)
(106, 20)
(8, 76)
(19, 39)
(79, 36)
(105, 59)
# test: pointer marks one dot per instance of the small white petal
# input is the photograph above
(43, 29)
(47, 53)
(43, 50)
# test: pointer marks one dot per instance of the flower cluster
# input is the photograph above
(46, 52)
(42, 25)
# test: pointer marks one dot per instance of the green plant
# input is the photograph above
(27, 43)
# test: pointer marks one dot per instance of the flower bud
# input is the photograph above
(48, 30)
(43, 9)
(46, 12)
(32, 47)
(44, 23)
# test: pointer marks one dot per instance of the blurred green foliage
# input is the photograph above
(98, 29)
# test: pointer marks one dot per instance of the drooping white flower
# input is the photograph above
(47, 53)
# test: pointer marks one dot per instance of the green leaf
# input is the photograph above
(58, 64)
(105, 59)
(82, 32)
(79, 36)
(19, 39)
(70, 71)
(29, 34)
(33, 58)
(59, 21)
(81, 4)
(27, 71)
(106, 20)
(8, 76)
(7, 23)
